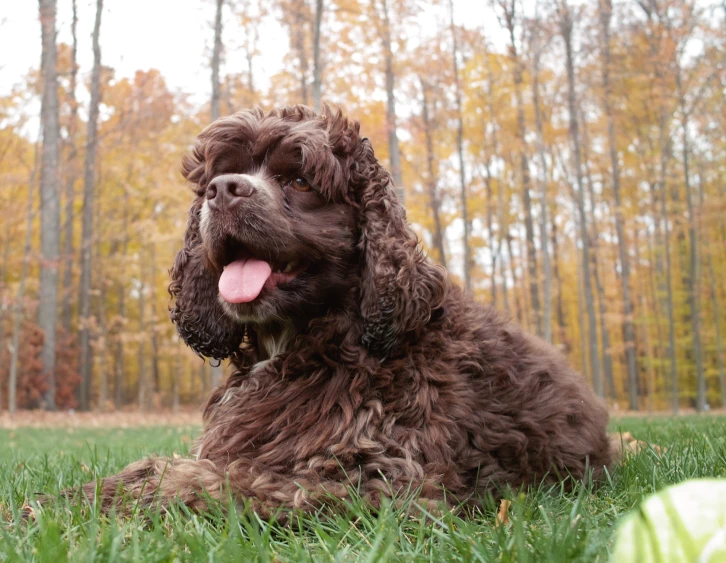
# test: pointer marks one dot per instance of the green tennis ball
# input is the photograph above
(683, 523)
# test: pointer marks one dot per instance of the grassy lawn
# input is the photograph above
(546, 524)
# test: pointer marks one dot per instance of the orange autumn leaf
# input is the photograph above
(502, 518)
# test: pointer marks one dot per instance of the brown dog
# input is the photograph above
(357, 361)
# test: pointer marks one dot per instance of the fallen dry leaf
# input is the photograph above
(625, 442)
(502, 518)
(28, 513)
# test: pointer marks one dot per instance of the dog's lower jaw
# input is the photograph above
(259, 318)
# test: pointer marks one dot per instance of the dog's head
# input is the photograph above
(293, 216)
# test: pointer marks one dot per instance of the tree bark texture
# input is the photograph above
(66, 312)
(543, 178)
(694, 271)
(49, 198)
(431, 180)
(510, 19)
(463, 196)
(628, 328)
(394, 153)
(89, 189)
(566, 25)
(216, 61)
(317, 62)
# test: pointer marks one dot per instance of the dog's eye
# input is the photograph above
(300, 184)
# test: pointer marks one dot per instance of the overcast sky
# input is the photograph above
(171, 35)
(174, 36)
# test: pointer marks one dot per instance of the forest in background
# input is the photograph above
(570, 172)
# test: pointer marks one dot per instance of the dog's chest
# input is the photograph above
(272, 345)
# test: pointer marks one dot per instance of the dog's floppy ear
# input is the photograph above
(196, 311)
(400, 288)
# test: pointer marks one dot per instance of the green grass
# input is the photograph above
(546, 523)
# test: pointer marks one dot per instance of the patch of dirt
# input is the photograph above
(187, 416)
(616, 413)
(115, 419)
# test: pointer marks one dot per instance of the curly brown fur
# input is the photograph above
(370, 367)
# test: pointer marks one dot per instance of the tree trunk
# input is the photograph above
(155, 372)
(119, 362)
(652, 291)
(228, 88)
(669, 280)
(510, 23)
(503, 231)
(505, 288)
(6, 260)
(176, 375)
(655, 281)
(649, 358)
(18, 316)
(119, 359)
(297, 41)
(4, 287)
(216, 59)
(661, 194)
(694, 279)
(581, 321)
(215, 115)
(431, 181)
(394, 153)
(642, 292)
(566, 25)
(607, 360)
(494, 254)
(561, 325)
(605, 13)
(515, 296)
(249, 56)
(49, 200)
(521, 243)
(89, 188)
(543, 177)
(142, 338)
(521, 246)
(493, 150)
(717, 327)
(70, 183)
(716, 308)
(102, 338)
(317, 63)
(664, 142)
(460, 152)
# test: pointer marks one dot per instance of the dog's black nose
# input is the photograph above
(228, 190)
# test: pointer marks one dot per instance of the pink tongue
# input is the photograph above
(242, 280)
